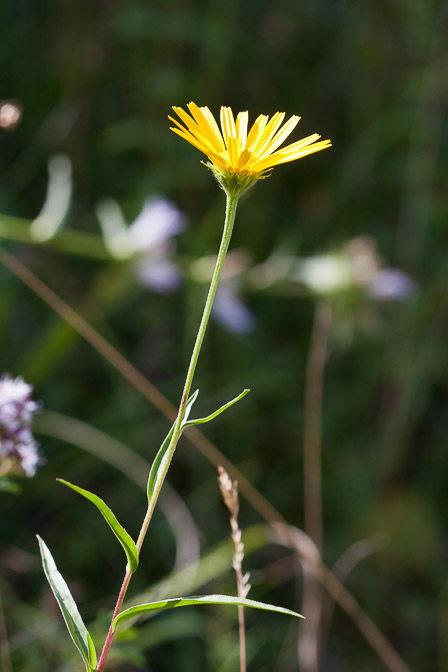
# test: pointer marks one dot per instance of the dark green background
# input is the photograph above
(96, 81)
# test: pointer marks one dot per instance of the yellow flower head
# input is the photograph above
(239, 155)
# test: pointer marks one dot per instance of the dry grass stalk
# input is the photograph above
(229, 491)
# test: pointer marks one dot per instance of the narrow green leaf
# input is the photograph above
(67, 605)
(200, 421)
(198, 599)
(123, 537)
(92, 652)
(158, 460)
(152, 478)
(189, 406)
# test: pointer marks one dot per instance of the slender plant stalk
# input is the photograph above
(231, 206)
(242, 637)
(309, 648)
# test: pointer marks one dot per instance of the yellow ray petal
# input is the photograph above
(241, 127)
(266, 136)
(206, 145)
(227, 124)
(244, 159)
(234, 152)
(256, 130)
(214, 125)
(191, 139)
(281, 136)
(206, 129)
(280, 157)
(301, 143)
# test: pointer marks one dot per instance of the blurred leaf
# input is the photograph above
(67, 605)
(119, 531)
(198, 599)
(7, 485)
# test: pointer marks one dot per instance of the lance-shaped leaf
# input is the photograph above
(200, 421)
(67, 605)
(123, 537)
(198, 599)
(158, 460)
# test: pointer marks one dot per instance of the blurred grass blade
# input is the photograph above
(198, 599)
(67, 605)
(158, 460)
(57, 201)
(200, 421)
(123, 537)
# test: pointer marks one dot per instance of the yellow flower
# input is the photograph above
(240, 156)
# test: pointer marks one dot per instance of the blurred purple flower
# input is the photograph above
(158, 221)
(228, 308)
(151, 234)
(18, 449)
(231, 312)
(392, 284)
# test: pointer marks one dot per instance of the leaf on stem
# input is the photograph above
(200, 421)
(198, 599)
(123, 537)
(67, 605)
(158, 460)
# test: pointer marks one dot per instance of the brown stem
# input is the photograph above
(313, 424)
(242, 632)
(309, 648)
(111, 634)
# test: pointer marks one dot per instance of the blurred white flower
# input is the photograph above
(18, 449)
(326, 274)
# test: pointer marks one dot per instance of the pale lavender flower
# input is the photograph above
(228, 308)
(391, 284)
(18, 449)
(158, 221)
(151, 236)
(147, 241)
(231, 312)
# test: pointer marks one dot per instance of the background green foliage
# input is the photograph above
(96, 82)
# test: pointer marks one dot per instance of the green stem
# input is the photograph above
(232, 202)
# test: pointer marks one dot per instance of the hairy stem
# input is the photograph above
(231, 206)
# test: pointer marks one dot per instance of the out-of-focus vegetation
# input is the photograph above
(95, 83)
